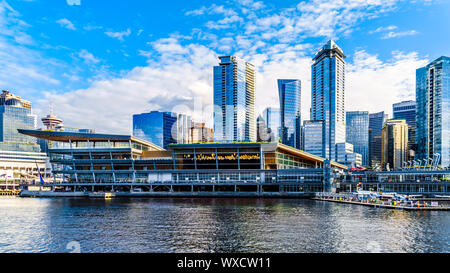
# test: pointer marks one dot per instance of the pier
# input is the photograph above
(412, 205)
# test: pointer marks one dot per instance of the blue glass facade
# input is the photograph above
(376, 122)
(313, 137)
(14, 115)
(358, 133)
(407, 110)
(234, 101)
(433, 110)
(328, 95)
(159, 128)
(290, 112)
(271, 119)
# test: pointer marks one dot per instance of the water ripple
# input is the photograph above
(215, 225)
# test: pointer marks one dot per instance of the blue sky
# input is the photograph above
(101, 61)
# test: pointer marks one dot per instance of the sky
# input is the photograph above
(99, 62)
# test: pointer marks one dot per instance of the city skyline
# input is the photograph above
(209, 130)
(126, 61)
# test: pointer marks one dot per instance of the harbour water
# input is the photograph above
(215, 225)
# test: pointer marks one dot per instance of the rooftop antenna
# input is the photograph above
(51, 107)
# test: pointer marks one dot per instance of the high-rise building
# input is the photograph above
(394, 147)
(346, 155)
(269, 125)
(289, 91)
(342, 149)
(199, 133)
(15, 113)
(234, 100)
(328, 94)
(184, 124)
(262, 132)
(20, 155)
(376, 122)
(358, 133)
(159, 128)
(433, 111)
(407, 110)
(313, 135)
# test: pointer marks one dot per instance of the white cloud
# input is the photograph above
(12, 26)
(224, 23)
(375, 85)
(66, 23)
(119, 35)
(88, 57)
(180, 80)
(393, 34)
(22, 69)
(178, 74)
(381, 29)
(74, 2)
(213, 9)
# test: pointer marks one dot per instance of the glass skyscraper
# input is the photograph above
(433, 110)
(358, 133)
(328, 94)
(376, 122)
(313, 136)
(234, 101)
(271, 121)
(394, 146)
(159, 128)
(290, 112)
(15, 113)
(407, 110)
(184, 124)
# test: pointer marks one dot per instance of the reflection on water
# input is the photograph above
(215, 225)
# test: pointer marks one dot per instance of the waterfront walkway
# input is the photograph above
(376, 203)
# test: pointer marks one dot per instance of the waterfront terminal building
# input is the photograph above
(89, 162)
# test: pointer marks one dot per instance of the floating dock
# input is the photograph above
(381, 204)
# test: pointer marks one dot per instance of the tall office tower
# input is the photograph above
(199, 133)
(289, 92)
(433, 111)
(313, 135)
(407, 110)
(20, 155)
(376, 122)
(271, 119)
(358, 133)
(262, 132)
(234, 101)
(159, 128)
(184, 124)
(394, 146)
(328, 94)
(15, 113)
